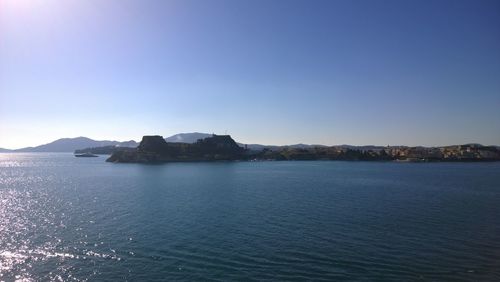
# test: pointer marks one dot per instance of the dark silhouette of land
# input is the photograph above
(207, 147)
(154, 149)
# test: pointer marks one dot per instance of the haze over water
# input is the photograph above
(84, 219)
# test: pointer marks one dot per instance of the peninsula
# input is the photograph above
(155, 149)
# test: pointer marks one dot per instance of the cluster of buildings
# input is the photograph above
(469, 152)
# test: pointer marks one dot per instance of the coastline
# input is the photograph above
(154, 149)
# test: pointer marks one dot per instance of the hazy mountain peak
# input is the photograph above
(187, 137)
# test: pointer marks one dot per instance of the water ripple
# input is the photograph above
(67, 219)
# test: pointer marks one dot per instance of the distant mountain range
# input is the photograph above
(78, 143)
(72, 144)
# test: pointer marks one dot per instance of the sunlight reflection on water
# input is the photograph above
(69, 219)
(31, 226)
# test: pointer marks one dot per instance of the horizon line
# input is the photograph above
(278, 145)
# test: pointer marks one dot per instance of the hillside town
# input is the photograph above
(469, 152)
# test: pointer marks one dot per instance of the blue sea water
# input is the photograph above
(78, 219)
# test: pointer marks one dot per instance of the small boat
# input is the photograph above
(85, 155)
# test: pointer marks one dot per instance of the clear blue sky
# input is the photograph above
(274, 72)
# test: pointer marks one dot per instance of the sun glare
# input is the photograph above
(25, 8)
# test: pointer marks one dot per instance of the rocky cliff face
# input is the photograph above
(154, 143)
(218, 144)
(154, 149)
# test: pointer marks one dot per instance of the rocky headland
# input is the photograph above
(154, 149)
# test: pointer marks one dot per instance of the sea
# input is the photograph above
(82, 219)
